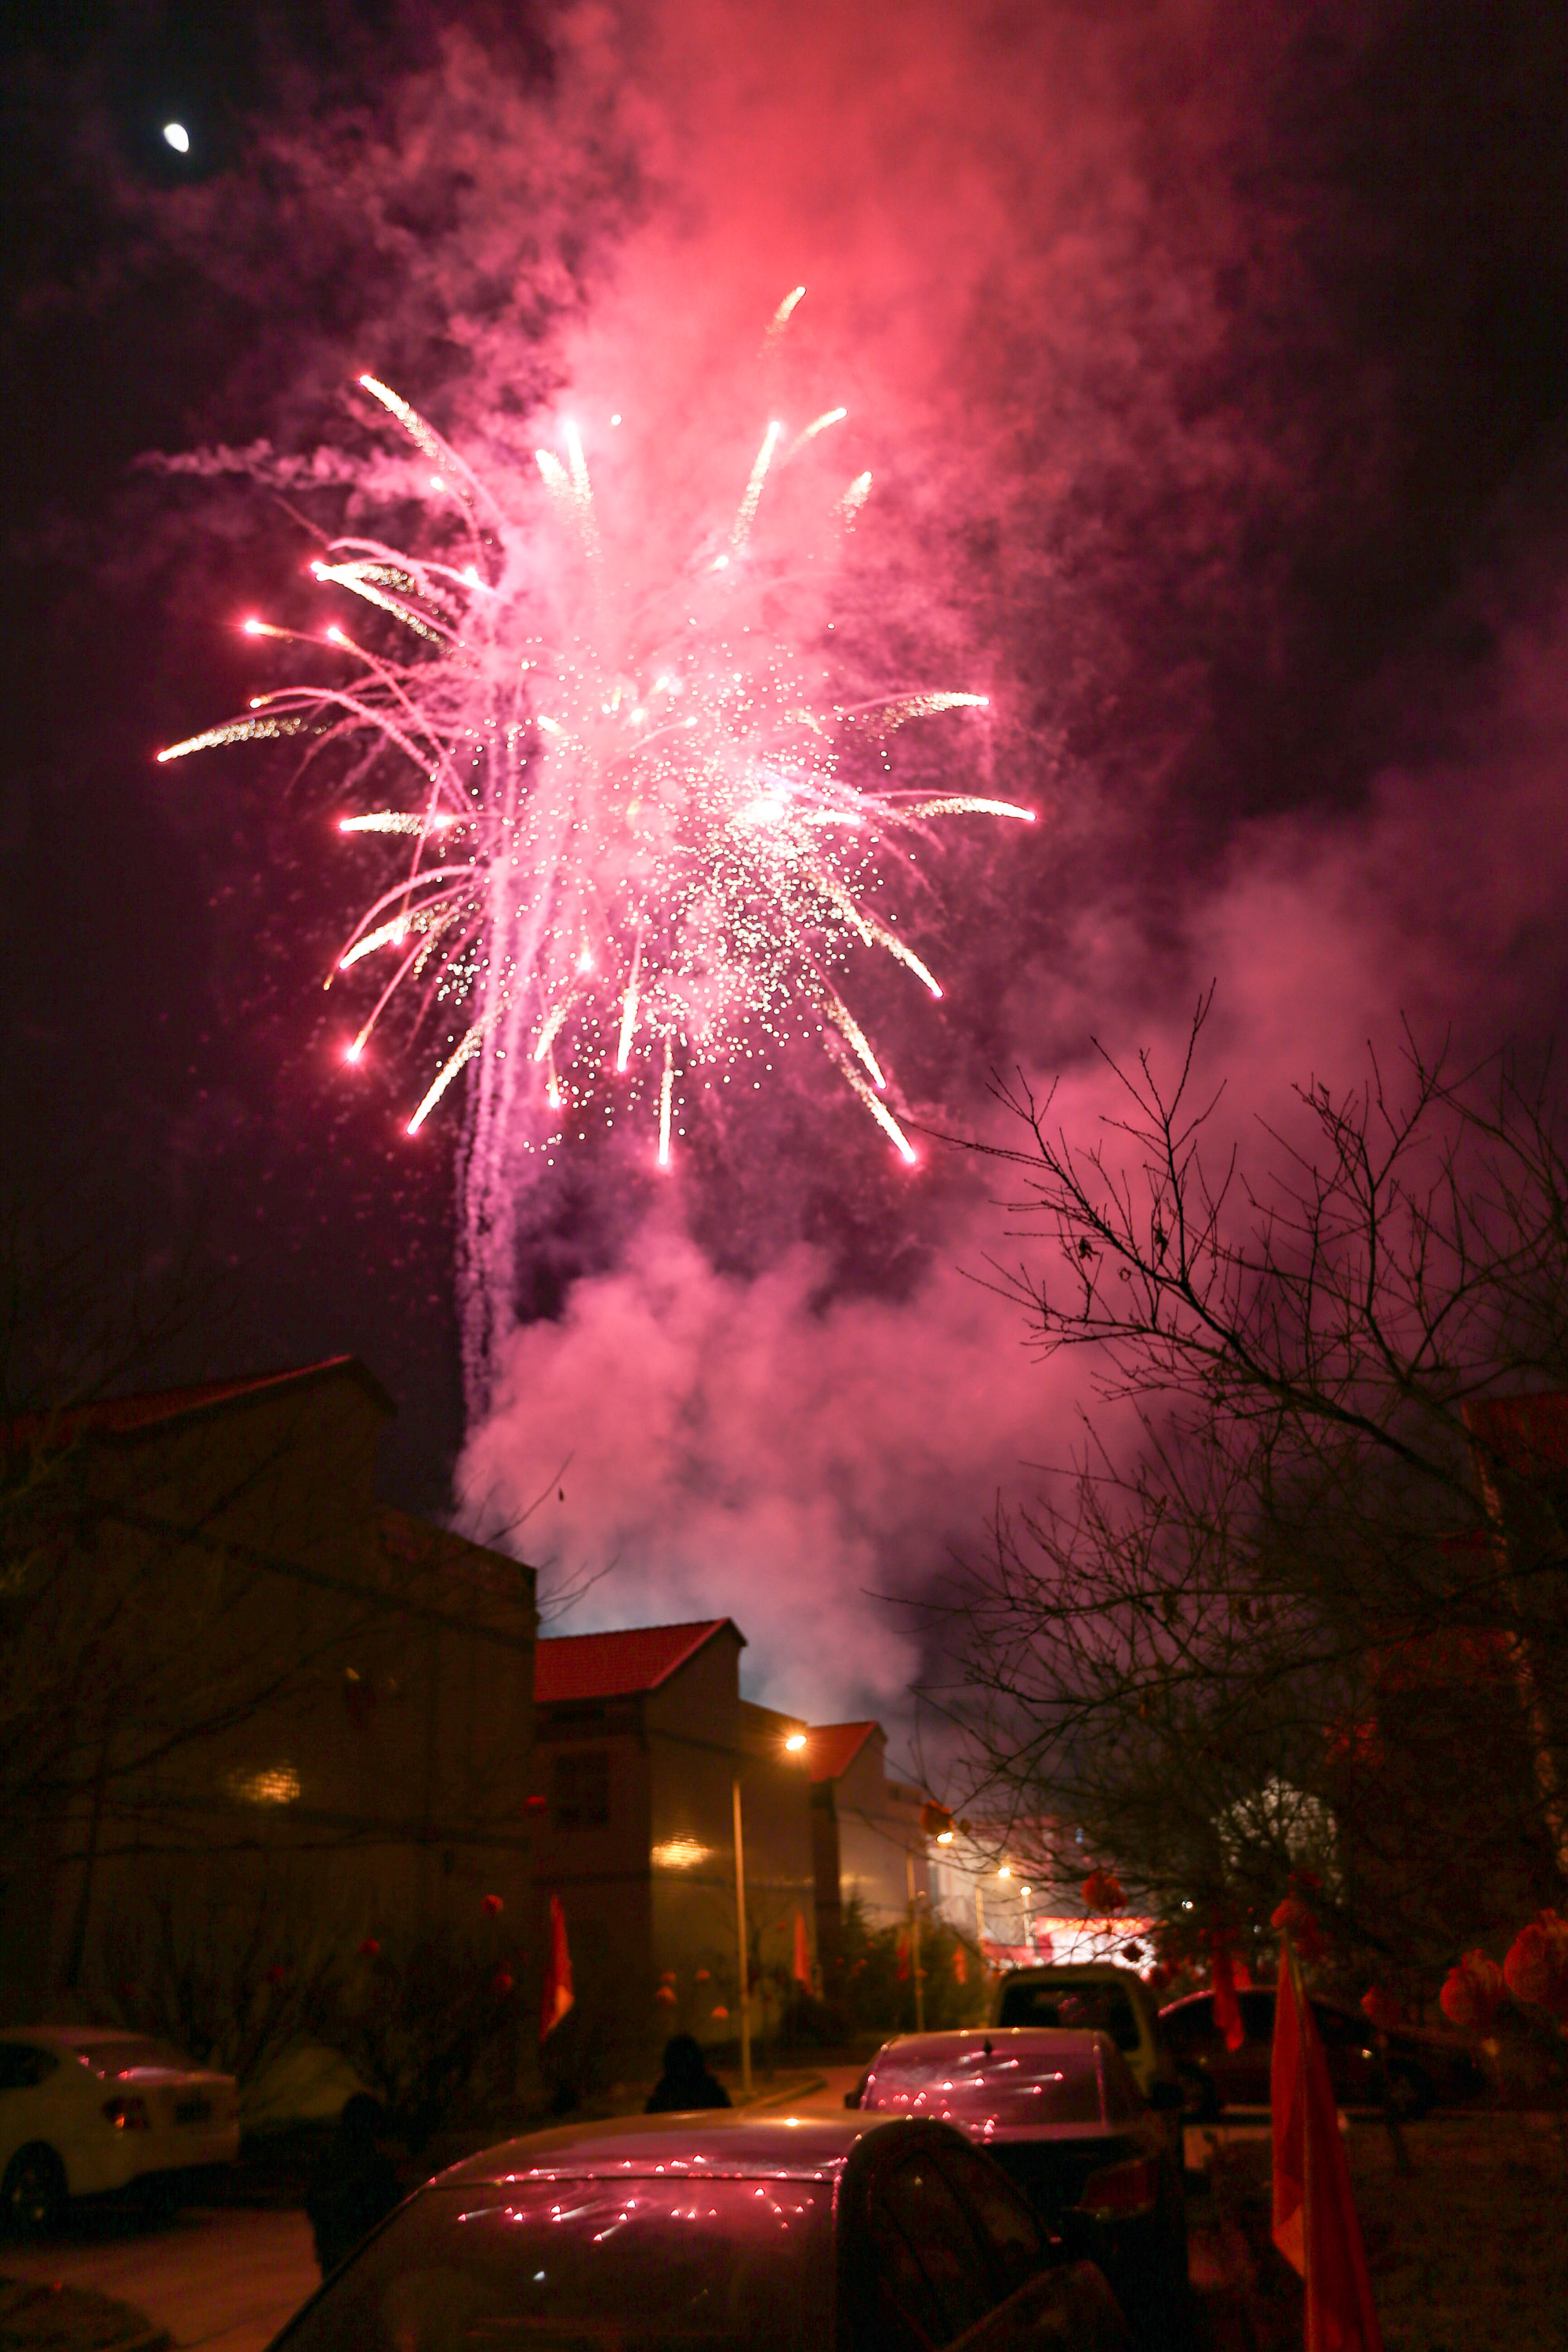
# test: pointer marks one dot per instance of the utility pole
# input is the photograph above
(745, 1965)
(915, 1943)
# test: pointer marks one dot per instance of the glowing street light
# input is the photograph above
(178, 137)
(795, 1742)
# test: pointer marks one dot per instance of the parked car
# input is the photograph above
(84, 2110)
(1414, 2067)
(722, 2230)
(1099, 1996)
(1063, 2117)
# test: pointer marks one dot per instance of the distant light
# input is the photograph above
(1005, 1871)
(944, 1837)
(615, 419)
(251, 628)
(795, 1742)
(178, 137)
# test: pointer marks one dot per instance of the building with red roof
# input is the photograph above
(643, 1741)
(868, 1844)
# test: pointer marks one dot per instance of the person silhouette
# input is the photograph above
(354, 2187)
(686, 2082)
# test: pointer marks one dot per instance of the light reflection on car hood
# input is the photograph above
(1013, 2082)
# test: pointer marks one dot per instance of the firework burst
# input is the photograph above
(624, 865)
(628, 860)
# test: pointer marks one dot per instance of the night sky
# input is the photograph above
(1212, 363)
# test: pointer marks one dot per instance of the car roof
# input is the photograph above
(1057, 1971)
(998, 2086)
(76, 2037)
(1028, 2041)
(712, 2143)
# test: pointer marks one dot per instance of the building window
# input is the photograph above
(580, 1789)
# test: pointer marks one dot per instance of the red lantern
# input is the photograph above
(1473, 1994)
(721, 2013)
(1536, 1966)
(494, 1905)
(665, 1993)
(1102, 1891)
(502, 1983)
(703, 1977)
(370, 1949)
(1383, 2010)
(1293, 1919)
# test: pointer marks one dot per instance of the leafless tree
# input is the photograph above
(1313, 1613)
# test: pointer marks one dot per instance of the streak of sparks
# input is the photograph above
(631, 853)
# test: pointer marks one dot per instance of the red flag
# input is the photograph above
(1315, 2224)
(802, 1970)
(557, 1994)
(1226, 2008)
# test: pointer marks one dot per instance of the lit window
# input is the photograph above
(264, 1784)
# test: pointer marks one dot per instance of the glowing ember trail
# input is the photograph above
(631, 862)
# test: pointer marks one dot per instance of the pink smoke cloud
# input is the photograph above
(750, 1448)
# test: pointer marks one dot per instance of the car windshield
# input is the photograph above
(999, 2086)
(1086, 2005)
(137, 2054)
(644, 2265)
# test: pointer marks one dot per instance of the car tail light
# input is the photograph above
(1121, 2190)
(128, 2115)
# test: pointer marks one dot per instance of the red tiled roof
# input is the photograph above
(832, 1748)
(1527, 1433)
(614, 1665)
(119, 1415)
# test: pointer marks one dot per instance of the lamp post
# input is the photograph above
(745, 1966)
(915, 1941)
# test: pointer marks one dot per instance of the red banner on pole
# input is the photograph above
(1226, 2008)
(1315, 2223)
(557, 1994)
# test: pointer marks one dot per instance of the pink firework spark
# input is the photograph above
(626, 848)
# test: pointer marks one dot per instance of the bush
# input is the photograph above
(431, 2022)
(869, 1983)
(233, 1965)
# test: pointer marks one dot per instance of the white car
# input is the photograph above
(84, 2109)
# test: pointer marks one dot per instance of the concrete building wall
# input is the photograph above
(876, 1835)
(333, 1695)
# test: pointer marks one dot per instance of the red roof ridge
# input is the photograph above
(832, 1748)
(620, 1664)
(146, 1409)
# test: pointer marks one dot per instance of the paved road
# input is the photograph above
(223, 2280)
